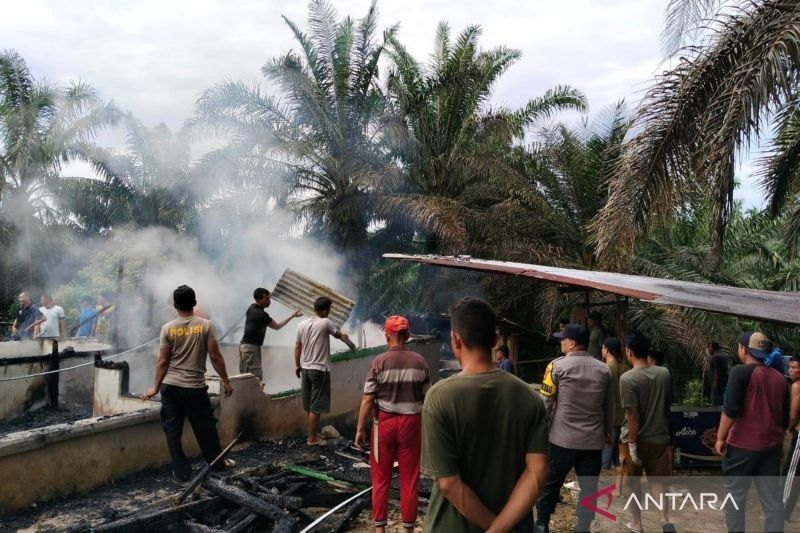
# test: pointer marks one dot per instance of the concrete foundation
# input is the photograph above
(22, 358)
(64, 459)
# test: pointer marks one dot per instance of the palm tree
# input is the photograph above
(449, 141)
(41, 127)
(149, 184)
(314, 146)
(700, 115)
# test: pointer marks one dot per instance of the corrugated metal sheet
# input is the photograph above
(769, 306)
(297, 291)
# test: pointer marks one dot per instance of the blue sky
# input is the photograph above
(154, 58)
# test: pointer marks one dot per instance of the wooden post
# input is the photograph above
(52, 379)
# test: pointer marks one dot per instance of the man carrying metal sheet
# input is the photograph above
(312, 357)
(255, 329)
(394, 389)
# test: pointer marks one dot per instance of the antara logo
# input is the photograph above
(673, 501)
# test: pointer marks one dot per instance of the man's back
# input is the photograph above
(479, 427)
(187, 338)
(580, 386)
(314, 334)
(758, 400)
(648, 390)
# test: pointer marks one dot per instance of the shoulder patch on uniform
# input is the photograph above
(549, 387)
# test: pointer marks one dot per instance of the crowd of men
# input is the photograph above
(496, 447)
(48, 320)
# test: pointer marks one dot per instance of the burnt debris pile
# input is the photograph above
(281, 496)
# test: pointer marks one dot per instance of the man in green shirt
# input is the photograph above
(646, 394)
(484, 435)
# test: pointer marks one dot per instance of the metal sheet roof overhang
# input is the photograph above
(770, 306)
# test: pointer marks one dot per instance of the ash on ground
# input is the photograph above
(47, 416)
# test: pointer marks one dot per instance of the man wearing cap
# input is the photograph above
(578, 395)
(393, 394)
(755, 414)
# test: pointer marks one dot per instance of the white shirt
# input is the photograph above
(313, 333)
(50, 327)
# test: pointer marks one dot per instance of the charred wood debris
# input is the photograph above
(281, 497)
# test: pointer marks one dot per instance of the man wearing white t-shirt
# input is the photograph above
(52, 324)
(312, 357)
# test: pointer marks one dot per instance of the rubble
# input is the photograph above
(276, 486)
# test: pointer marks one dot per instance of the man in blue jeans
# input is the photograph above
(750, 435)
(578, 394)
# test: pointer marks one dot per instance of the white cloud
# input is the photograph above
(155, 57)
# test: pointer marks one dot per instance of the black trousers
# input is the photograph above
(587, 464)
(177, 404)
(741, 468)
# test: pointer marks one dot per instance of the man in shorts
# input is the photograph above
(256, 322)
(312, 357)
(646, 395)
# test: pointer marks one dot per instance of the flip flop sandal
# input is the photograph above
(629, 527)
(316, 442)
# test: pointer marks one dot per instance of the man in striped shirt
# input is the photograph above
(393, 393)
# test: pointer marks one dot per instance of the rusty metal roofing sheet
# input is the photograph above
(770, 306)
(297, 291)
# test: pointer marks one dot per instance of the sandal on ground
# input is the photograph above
(668, 527)
(316, 442)
(629, 527)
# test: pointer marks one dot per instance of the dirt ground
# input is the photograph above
(149, 489)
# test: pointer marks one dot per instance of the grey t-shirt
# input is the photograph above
(577, 390)
(314, 335)
(649, 391)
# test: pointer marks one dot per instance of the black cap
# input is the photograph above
(575, 332)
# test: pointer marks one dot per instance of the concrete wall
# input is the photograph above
(64, 459)
(75, 386)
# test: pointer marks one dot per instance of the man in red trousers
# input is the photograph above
(393, 393)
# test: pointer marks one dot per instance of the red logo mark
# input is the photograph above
(608, 492)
